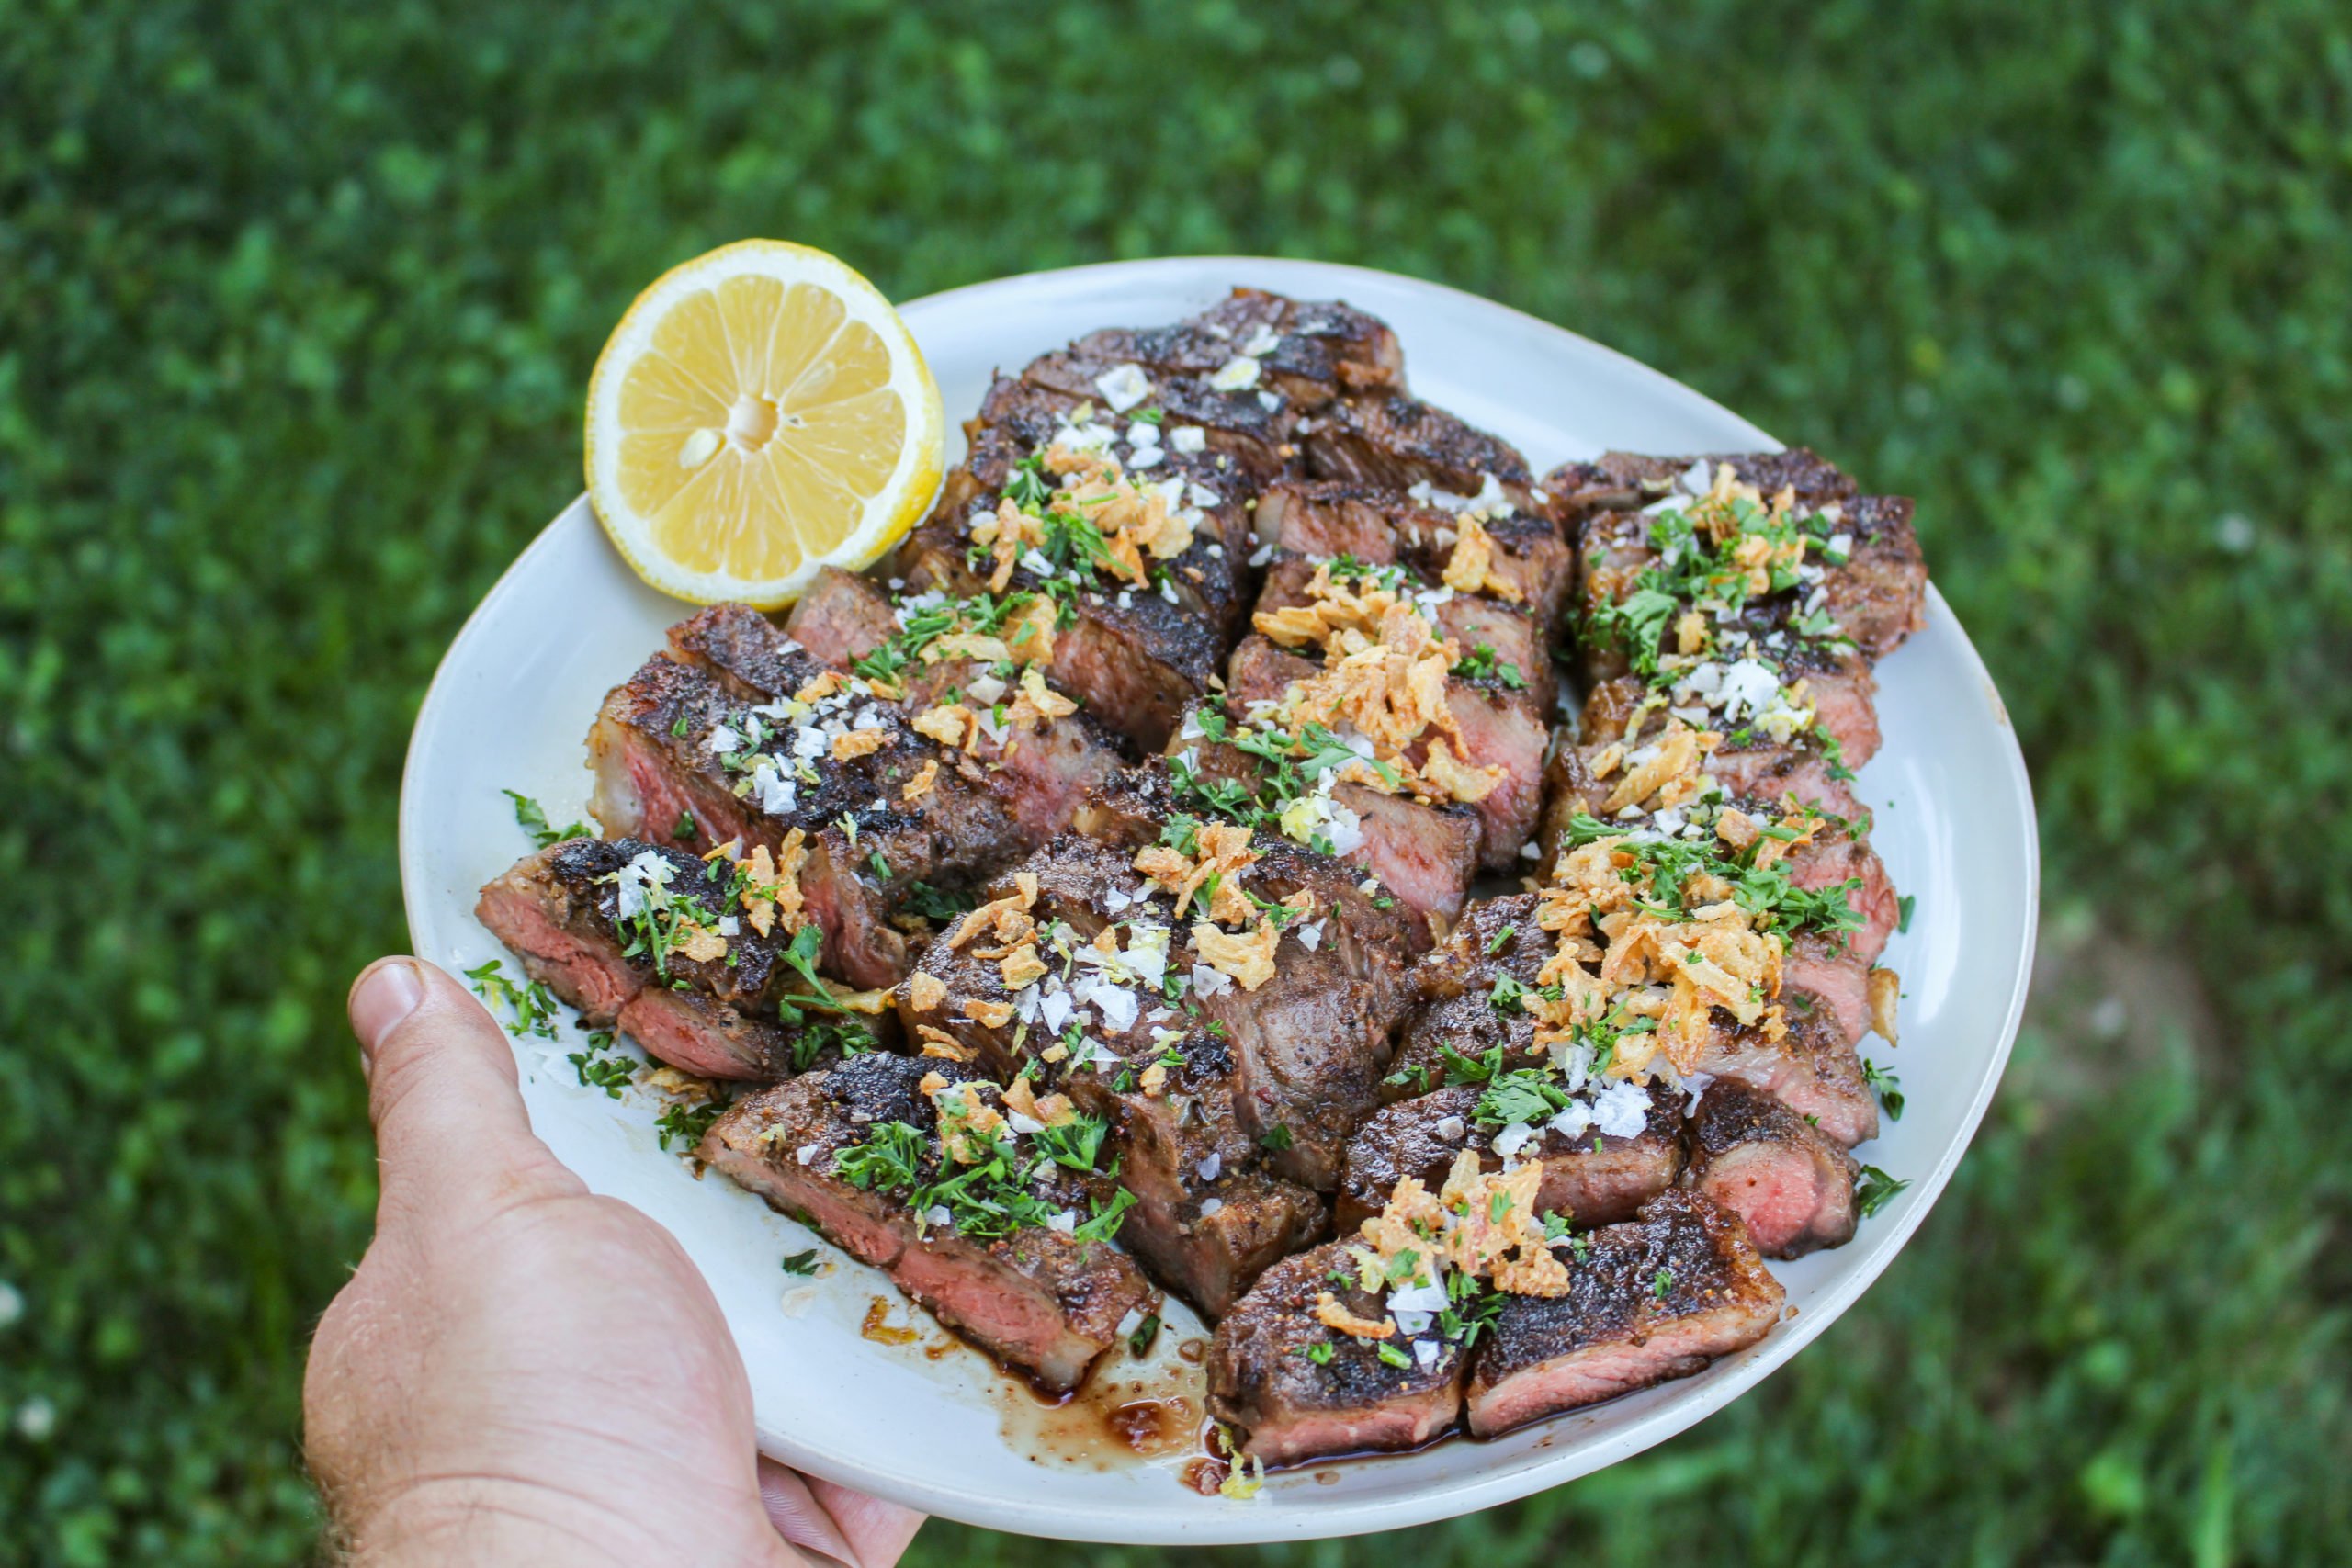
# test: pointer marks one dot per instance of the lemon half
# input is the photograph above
(760, 412)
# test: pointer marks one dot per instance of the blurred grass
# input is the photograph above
(297, 305)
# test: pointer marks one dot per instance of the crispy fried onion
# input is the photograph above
(1754, 556)
(968, 1125)
(958, 727)
(1672, 770)
(1133, 520)
(1384, 674)
(1480, 1222)
(1470, 569)
(1221, 856)
(1006, 919)
(1249, 958)
(1885, 991)
(1047, 1111)
(771, 891)
(1025, 635)
(1614, 953)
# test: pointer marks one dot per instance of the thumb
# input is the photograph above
(451, 1133)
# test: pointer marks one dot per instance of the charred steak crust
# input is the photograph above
(558, 912)
(1289, 1407)
(1592, 1179)
(1656, 1298)
(1043, 1301)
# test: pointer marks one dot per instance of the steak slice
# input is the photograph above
(1499, 728)
(1134, 658)
(1328, 518)
(1592, 1177)
(1504, 637)
(1246, 438)
(1658, 1298)
(1754, 768)
(558, 909)
(1789, 1180)
(1397, 443)
(1319, 348)
(1307, 1047)
(1813, 1069)
(1840, 851)
(1210, 1214)
(867, 843)
(1497, 943)
(1423, 852)
(1040, 774)
(1289, 1408)
(1881, 584)
(1038, 1298)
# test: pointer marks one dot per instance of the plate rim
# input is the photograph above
(1242, 1524)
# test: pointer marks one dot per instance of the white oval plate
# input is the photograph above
(512, 701)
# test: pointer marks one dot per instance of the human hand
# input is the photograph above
(520, 1371)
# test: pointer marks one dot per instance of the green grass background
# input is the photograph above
(296, 307)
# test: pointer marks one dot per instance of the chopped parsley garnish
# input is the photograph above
(1481, 664)
(533, 819)
(1276, 1137)
(1875, 1191)
(1903, 913)
(937, 904)
(994, 1195)
(530, 1008)
(1889, 1087)
(1291, 768)
(1146, 1332)
(1387, 1350)
(801, 1263)
(682, 1125)
(1767, 892)
(599, 1070)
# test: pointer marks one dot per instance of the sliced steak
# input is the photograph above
(1209, 1214)
(1037, 1299)
(1309, 351)
(867, 842)
(1499, 728)
(558, 910)
(1040, 773)
(1307, 1047)
(1592, 1178)
(1789, 1182)
(1289, 1407)
(1497, 943)
(1839, 852)
(1655, 1299)
(1504, 639)
(1134, 657)
(1881, 583)
(1422, 852)
(1395, 443)
(1326, 518)
(1813, 1069)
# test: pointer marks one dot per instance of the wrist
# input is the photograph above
(484, 1519)
(509, 1522)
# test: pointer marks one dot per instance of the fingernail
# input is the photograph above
(388, 994)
